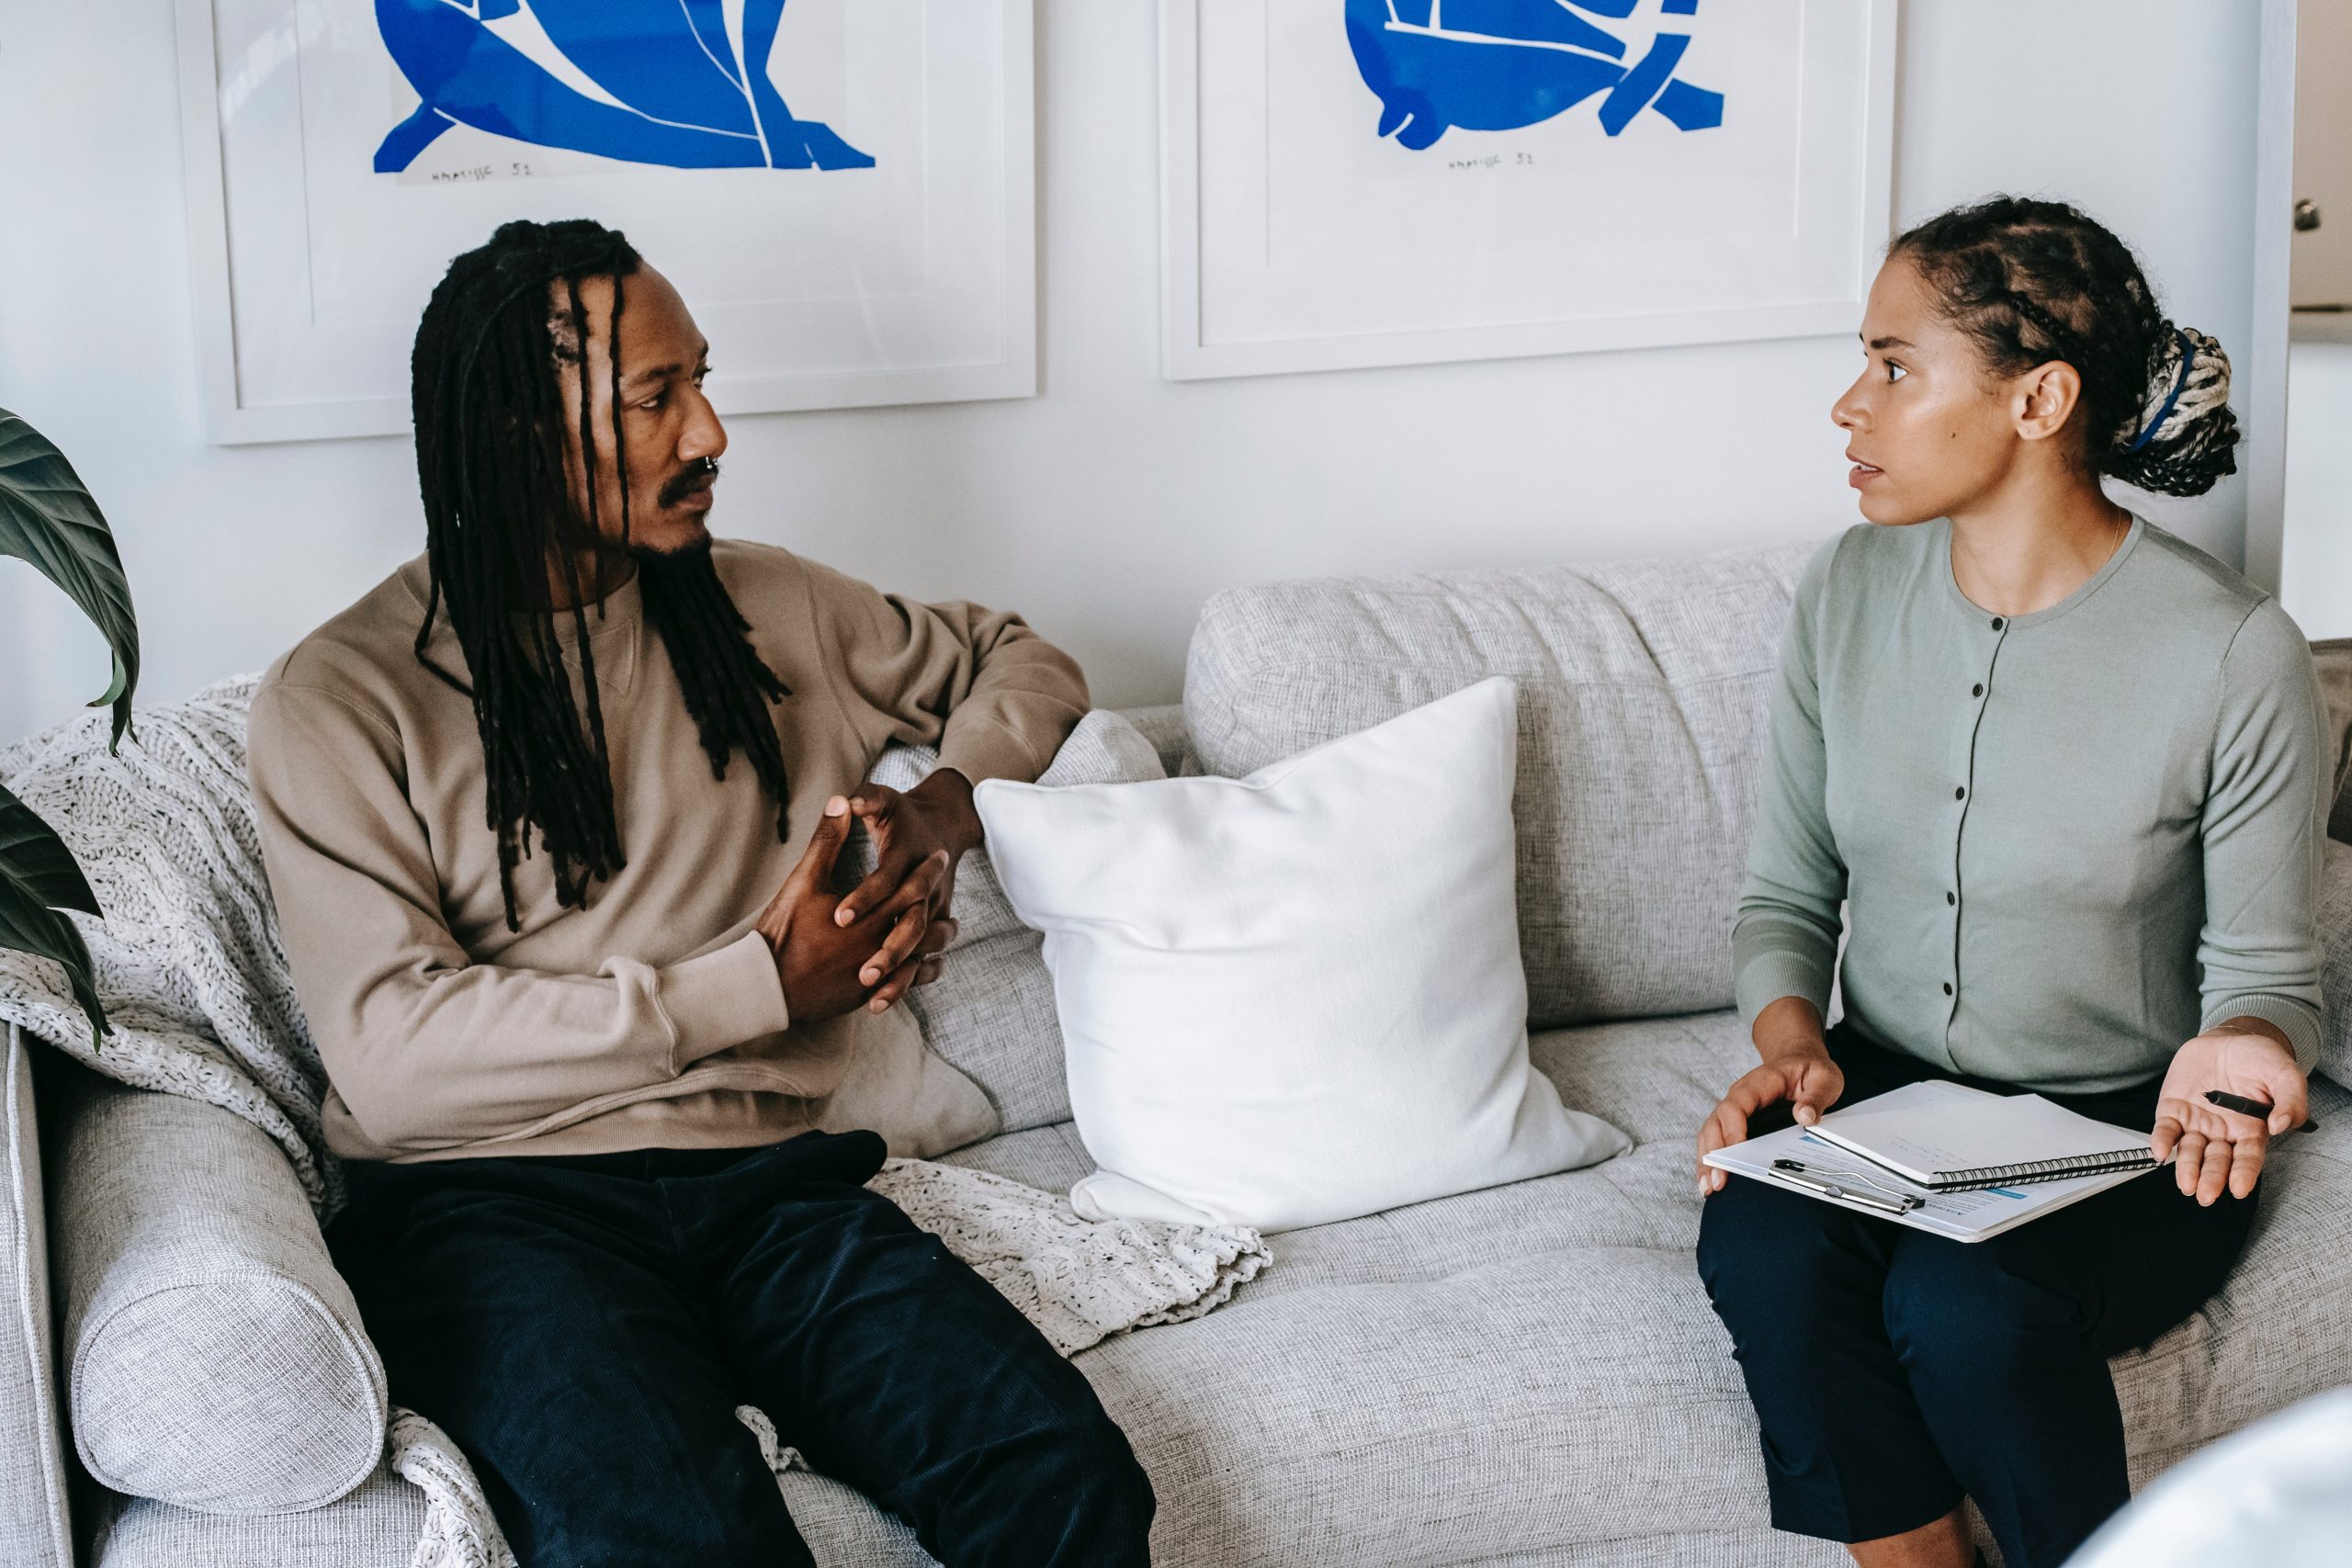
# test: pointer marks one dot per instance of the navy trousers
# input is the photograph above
(584, 1327)
(1894, 1370)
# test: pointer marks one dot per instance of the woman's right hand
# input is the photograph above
(1800, 1073)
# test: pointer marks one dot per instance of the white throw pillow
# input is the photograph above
(1294, 998)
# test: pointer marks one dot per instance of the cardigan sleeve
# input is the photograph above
(1784, 942)
(2264, 829)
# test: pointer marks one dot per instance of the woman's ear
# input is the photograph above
(2044, 399)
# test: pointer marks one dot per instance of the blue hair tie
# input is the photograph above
(2180, 383)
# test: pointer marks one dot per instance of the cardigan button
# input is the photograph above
(1998, 623)
(1961, 794)
(1947, 987)
(1951, 897)
(1977, 690)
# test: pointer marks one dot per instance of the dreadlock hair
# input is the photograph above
(500, 512)
(2035, 281)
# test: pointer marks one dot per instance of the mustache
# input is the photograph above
(694, 476)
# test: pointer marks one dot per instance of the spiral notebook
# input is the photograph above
(1947, 1137)
(1853, 1182)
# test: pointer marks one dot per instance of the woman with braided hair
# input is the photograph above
(2062, 772)
(551, 818)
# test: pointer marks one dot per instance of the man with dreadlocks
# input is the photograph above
(610, 1059)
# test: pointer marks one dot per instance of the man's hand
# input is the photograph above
(929, 826)
(818, 957)
(1796, 1067)
(2222, 1150)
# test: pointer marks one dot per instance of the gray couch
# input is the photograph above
(1525, 1375)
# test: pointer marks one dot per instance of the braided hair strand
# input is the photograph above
(503, 326)
(2033, 281)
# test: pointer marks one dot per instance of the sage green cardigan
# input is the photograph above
(2068, 840)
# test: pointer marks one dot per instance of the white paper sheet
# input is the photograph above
(1962, 1216)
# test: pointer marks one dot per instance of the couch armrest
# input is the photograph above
(35, 1526)
(214, 1359)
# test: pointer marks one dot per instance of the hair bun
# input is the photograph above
(2180, 441)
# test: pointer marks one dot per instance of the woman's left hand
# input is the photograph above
(2223, 1150)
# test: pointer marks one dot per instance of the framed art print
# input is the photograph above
(1392, 182)
(842, 190)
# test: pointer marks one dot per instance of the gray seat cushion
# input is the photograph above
(1643, 691)
(215, 1359)
(377, 1525)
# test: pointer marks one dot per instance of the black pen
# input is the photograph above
(2255, 1108)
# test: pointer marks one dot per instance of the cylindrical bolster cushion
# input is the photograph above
(215, 1359)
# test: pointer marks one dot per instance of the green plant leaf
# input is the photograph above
(37, 877)
(36, 856)
(48, 518)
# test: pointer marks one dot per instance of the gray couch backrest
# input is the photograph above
(1643, 692)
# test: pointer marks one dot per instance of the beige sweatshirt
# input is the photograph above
(654, 1017)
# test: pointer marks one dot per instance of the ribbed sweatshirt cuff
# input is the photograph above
(723, 999)
(982, 748)
(2298, 1020)
(1769, 973)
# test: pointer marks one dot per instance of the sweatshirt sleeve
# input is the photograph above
(426, 1048)
(997, 699)
(1784, 942)
(2264, 830)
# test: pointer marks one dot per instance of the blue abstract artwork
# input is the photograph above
(1505, 64)
(675, 88)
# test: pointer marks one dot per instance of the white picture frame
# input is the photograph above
(918, 285)
(1240, 296)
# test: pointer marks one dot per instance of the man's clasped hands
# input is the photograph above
(868, 946)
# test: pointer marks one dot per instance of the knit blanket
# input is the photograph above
(196, 988)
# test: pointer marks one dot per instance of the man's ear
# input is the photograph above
(2044, 399)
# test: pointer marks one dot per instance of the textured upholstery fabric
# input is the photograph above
(1643, 696)
(215, 1358)
(991, 1013)
(377, 1527)
(1164, 727)
(2333, 660)
(2335, 967)
(33, 1526)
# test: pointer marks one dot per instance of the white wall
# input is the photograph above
(1107, 508)
(2315, 568)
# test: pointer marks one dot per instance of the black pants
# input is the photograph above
(585, 1326)
(1894, 1370)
